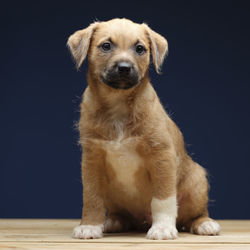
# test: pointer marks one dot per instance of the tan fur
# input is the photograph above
(132, 150)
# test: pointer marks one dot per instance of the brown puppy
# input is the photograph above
(134, 163)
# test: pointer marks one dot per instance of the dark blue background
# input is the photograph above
(205, 86)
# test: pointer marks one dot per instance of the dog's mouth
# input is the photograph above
(118, 80)
(119, 83)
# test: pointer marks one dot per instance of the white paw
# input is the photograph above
(112, 226)
(209, 228)
(162, 232)
(87, 232)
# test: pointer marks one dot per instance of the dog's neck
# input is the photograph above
(118, 112)
(118, 101)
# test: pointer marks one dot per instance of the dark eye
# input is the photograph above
(140, 49)
(106, 46)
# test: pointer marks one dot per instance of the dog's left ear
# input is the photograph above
(79, 42)
(158, 46)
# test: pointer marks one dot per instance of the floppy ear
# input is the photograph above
(79, 42)
(158, 46)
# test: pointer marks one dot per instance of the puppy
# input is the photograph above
(135, 170)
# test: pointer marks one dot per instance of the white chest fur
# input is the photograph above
(124, 160)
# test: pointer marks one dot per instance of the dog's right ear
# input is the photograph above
(79, 42)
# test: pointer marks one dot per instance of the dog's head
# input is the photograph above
(118, 51)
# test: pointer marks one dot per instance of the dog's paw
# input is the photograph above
(162, 232)
(87, 232)
(112, 226)
(208, 228)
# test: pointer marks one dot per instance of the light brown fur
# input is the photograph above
(132, 123)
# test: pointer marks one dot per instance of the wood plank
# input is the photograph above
(56, 234)
(117, 246)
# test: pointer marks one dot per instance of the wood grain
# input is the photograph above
(56, 234)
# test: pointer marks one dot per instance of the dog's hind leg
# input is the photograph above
(192, 200)
(204, 225)
(115, 223)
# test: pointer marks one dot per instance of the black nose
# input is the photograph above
(124, 67)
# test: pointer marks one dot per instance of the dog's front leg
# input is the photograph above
(93, 212)
(162, 170)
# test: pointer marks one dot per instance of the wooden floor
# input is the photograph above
(56, 234)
